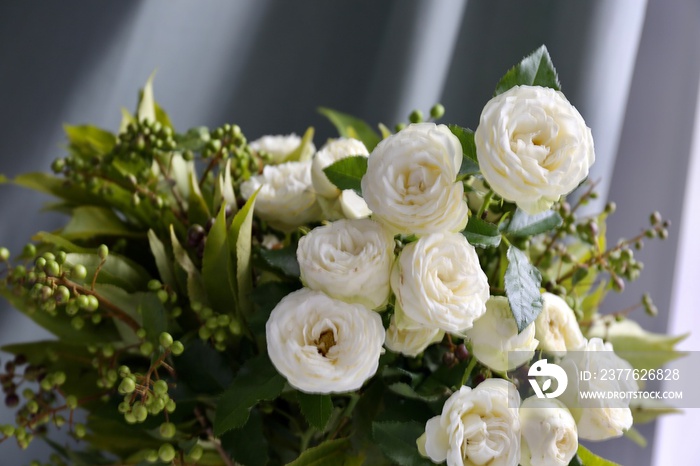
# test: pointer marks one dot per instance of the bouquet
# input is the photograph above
(382, 300)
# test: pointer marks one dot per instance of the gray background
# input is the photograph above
(630, 66)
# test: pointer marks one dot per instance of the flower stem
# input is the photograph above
(468, 371)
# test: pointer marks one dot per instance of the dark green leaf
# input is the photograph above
(317, 409)
(470, 163)
(482, 233)
(62, 243)
(406, 391)
(534, 70)
(240, 244)
(350, 127)
(329, 453)
(398, 441)
(45, 183)
(203, 368)
(247, 445)
(195, 287)
(587, 458)
(153, 316)
(218, 272)
(302, 151)
(91, 221)
(523, 224)
(257, 380)
(118, 271)
(198, 210)
(163, 262)
(522, 283)
(283, 260)
(347, 173)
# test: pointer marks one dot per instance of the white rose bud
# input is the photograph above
(598, 419)
(476, 428)
(410, 342)
(322, 345)
(438, 283)
(556, 327)
(533, 146)
(495, 334)
(279, 147)
(410, 181)
(287, 199)
(349, 260)
(549, 435)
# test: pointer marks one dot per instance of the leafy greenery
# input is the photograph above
(535, 69)
(522, 282)
(347, 173)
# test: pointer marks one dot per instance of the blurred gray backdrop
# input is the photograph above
(630, 66)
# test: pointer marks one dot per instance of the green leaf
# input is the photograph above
(329, 453)
(283, 260)
(636, 436)
(89, 141)
(60, 242)
(147, 104)
(195, 288)
(587, 458)
(92, 221)
(523, 224)
(218, 272)
(645, 411)
(405, 390)
(203, 369)
(317, 409)
(198, 211)
(535, 69)
(240, 243)
(522, 283)
(153, 316)
(162, 116)
(256, 381)
(3, 179)
(386, 132)
(224, 189)
(302, 151)
(470, 163)
(194, 139)
(118, 271)
(163, 262)
(347, 173)
(265, 297)
(248, 445)
(398, 441)
(349, 126)
(481, 233)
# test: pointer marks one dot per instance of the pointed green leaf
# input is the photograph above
(49, 184)
(470, 164)
(153, 316)
(147, 104)
(636, 436)
(117, 270)
(329, 453)
(283, 260)
(348, 124)
(92, 221)
(398, 441)
(587, 458)
(224, 189)
(645, 411)
(347, 173)
(218, 272)
(162, 116)
(195, 288)
(127, 119)
(257, 380)
(386, 132)
(481, 233)
(535, 69)
(302, 152)
(240, 244)
(248, 444)
(89, 141)
(522, 283)
(198, 210)
(203, 369)
(194, 139)
(317, 409)
(523, 224)
(265, 297)
(60, 242)
(163, 262)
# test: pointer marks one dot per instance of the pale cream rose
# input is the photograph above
(287, 199)
(280, 146)
(439, 284)
(477, 427)
(410, 342)
(322, 345)
(349, 260)
(410, 184)
(549, 434)
(533, 146)
(556, 327)
(598, 418)
(496, 342)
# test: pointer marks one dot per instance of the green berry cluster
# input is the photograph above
(218, 328)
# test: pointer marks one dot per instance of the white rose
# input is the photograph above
(349, 260)
(549, 434)
(279, 147)
(556, 327)
(287, 199)
(598, 419)
(322, 345)
(410, 342)
(476, 428)
(410, 181)
(533, 146)
(438, 283)
(330, 153)
(495, 335)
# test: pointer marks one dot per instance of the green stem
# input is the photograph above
(486, 203)
(468, 371)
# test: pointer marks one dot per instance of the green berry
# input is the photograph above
(151, 456)
(124, 371)
(79, 272)
(177, 348)
(77, 322)
(71, 402)
(33, 407)
(160, 387)
(130, 418)
(167, 430)
(80, 430)
(165, 339)
(7, 430)
(170, 406)
(140, 413)
(146, 348)
(166, 453)
(141, 333)
(154, 285)
(127, 386)
(59, 378)
(103, 251)
(437, 111)
(4, 254)
(52, 268)
(83, 301)
(196, 453)
(163, 296)
(416, 116)
(61, 295)
(29, 250)
(93, 303)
